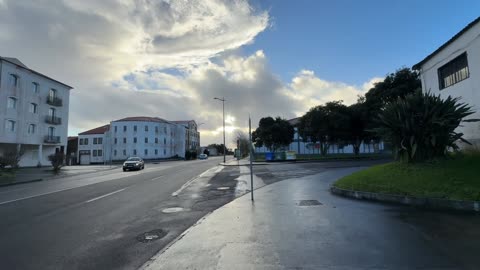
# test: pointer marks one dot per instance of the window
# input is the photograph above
(115, 128)
(145, 151)
(51, 133)
(100, 153)
(10, 125)
(31, 129)
(100, 140)
(124, 140)
(164, 152)
(115, 152)
(146, 128)
(135, 128)
(165, 130)
(13, 80)
(52, 94)
(134, 152)
(134, 139)
(12, 103)
(35, 87)
(156, 140)
(86, 141)
(52, 112)
(156, 129)
(32, 108)
(94, 153)
(80, 141)
(115, 141)
(156, 152)
(164, 140)
(124, 152)
(453, 72)
(124, 128)
(94, 140)
(146, 140)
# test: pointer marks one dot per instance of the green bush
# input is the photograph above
(10, 159)
(422, 126)
(57, 160)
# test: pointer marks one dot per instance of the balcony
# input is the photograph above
(53, 120)
(51, 139)
(54, 101)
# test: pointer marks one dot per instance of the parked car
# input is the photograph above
(133, 163)
(203, 156)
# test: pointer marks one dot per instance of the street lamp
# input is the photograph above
(223, 107)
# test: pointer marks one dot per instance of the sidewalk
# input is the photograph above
(285, 229)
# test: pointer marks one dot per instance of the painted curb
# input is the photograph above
(20, 183)
(431, 203)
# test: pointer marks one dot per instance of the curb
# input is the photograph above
(431, 203)
(305, 161)
(21, 183)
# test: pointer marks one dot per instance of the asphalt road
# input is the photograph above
(95, 221)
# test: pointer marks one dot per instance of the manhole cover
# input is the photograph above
(308, 203)
(172, 210)
(223, 188)
(151, 235)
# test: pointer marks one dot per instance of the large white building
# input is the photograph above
(33, 113)
(454, 70)
(192, 136)
(145, 137)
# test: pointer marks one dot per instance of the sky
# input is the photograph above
(170, 58)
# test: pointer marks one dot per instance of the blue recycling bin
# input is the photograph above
(269, 156)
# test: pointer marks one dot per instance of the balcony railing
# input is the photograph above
(54, 101)
(52, 139)
(53, 120)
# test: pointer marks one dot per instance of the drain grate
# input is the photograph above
(151, 236)
(308, 202)
(223, 188)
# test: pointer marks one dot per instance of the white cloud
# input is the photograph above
(153, 58)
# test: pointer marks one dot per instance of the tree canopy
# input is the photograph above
(273, 133)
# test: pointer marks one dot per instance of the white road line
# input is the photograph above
(103, 196)
(36, 195)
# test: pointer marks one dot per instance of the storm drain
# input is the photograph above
(151, 235)
(223, 188)
(308, 203)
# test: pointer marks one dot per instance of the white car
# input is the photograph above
(203, 156)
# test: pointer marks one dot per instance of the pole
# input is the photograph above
(224, 146)
(251, 154)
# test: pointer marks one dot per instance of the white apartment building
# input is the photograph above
(145, 137)
(33, 113)
(454, 70)
(192, 135)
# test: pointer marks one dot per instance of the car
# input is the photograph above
(203, 156)
(133, 163)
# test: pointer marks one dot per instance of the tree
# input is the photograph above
(273, 133)
(422, 126)
(357, 125)
(57, 160)
(11, 159)
(219, 148)
(243, 142)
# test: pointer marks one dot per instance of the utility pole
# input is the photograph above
(223, 109)
(251, 154)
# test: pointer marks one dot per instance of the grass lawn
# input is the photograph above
(457, 178)
(261, 156)
(6, 176)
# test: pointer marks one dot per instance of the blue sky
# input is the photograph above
(351, 41)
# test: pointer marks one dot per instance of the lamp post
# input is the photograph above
(223, 109)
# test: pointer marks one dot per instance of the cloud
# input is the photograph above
(160, 58)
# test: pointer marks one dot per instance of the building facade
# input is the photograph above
(454, 70)
(192, 136)
(33, 113)
(146, 137)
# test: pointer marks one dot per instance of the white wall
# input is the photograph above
(468, 89)
(24, 95)
(91, 146)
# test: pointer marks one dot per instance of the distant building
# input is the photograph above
(33, 113)
(72, 150)
(145, 137)
(192, 135)
(454, 70)
(301, 147)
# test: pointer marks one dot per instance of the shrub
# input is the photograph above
(422, 126)
(57, 160)
(10, 159)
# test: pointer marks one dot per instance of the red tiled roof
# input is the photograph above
(182, 121)
(72, 138)
(98, 130)
(143, 119)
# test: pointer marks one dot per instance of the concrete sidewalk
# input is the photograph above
(298, 224)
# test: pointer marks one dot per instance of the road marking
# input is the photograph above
(212, 171)
(103, 196)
